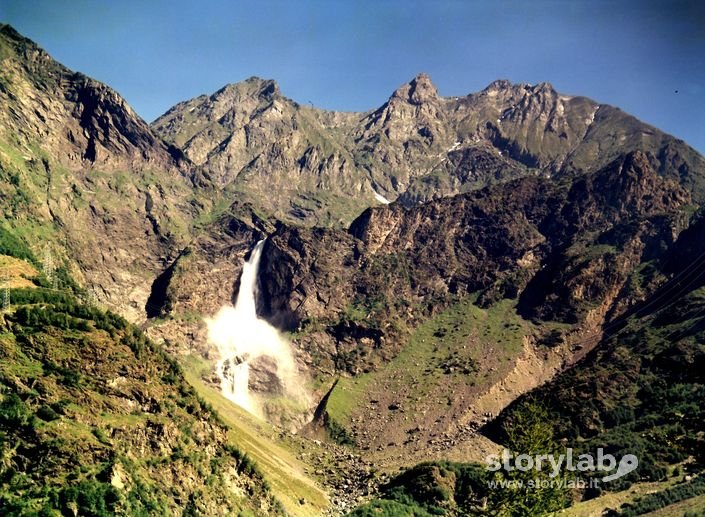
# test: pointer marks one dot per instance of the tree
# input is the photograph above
(533, 491)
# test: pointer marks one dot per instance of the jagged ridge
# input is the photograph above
(415, 147)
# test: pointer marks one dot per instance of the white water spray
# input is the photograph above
(241, 336)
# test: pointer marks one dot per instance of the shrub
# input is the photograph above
(12, 245)
(385, 508)
(14, 412)
(672, 495)
(47, 414)
(90, 497)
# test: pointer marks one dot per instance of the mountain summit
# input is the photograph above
(79, 119)
(419, 90)
(82, 168)
(417, 146)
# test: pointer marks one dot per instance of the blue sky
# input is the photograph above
(350, 55)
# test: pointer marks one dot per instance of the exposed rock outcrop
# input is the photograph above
(565, 251)
(317, 167)
(99, 187)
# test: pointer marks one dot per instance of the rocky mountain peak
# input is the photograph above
(504, 87)
(418, 91)
(8, 30)
(631, 185)
(544, 87)
(20, 53)
(499, 84)
(251, 88)
(15, 39)
(638, 175)
(415, 147)
(81, 121)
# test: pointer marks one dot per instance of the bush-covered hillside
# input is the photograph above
(95, 420)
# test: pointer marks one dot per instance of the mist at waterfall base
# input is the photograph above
(241, 337)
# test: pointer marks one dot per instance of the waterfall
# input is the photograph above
(241, 337)
(235, 381)
(246, 302)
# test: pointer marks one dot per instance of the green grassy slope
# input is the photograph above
(446, 349)
(95, 419)
(274, 453)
